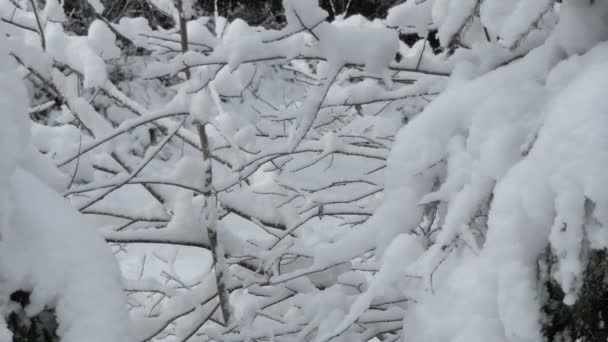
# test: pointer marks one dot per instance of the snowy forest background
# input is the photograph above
(349, 170)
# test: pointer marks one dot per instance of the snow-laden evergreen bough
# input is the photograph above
(240, 174)
(47, 248)
(512, 165)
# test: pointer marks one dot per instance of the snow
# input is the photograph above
(356, 192)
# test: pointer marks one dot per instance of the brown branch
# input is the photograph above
(183, 32)
(218, 253)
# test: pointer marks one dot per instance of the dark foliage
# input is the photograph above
(585, 320)
(40, 328)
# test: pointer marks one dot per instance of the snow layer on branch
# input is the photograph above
(341, 45)
(581, 26)
(167, 7)
(53, 11)
(494, 13)
(135, 29)
(84, 54)
(524, 18)
(240, 42)
(198, 32)
(90, 118)
(102, 40)
(412, 16)
(458, 13)
(97, 5)
(303, 13)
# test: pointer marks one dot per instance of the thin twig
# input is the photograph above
(40, 30)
